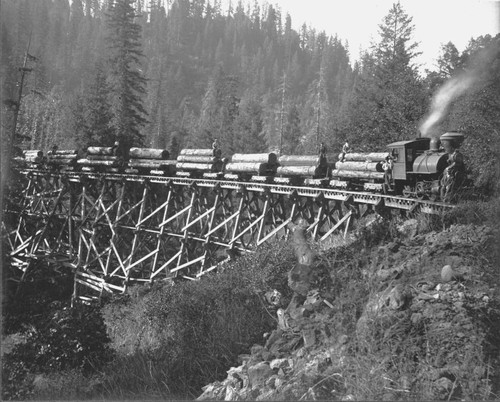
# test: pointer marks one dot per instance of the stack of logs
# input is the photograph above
(33, 158)
(150, 160)
(361, 166)
(101, 158)
(192, 161)
(63, 159)
(248, 165)
(313, 166)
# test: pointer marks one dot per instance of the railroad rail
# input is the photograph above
(116, 229)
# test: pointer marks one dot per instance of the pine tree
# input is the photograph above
(291, 132)
(449, 61)
(389, 97)
(248, 125)
(220, 107)
(92, 113)
(401, 92)
(127, 82)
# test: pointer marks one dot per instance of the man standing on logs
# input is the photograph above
(216, 148)
(345, 149)
(115, 148)
(322, 150)
(54, 149)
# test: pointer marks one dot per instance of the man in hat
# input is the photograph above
(322, 149)
(345, 149)
(216, 148)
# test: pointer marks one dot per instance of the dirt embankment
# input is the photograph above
(417, 319)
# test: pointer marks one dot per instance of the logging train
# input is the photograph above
(421, 168)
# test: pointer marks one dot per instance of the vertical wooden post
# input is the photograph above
(115, 224)
(238, 217)
(161, 232)
(185, 237)
(136, 236)
(263, 221)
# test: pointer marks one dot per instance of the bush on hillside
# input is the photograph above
(68, 339)
(39, 295)
(194, 331)
(475, 212)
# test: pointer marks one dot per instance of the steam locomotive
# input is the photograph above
(422, 168)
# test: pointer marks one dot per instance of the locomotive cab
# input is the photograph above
(404, 154)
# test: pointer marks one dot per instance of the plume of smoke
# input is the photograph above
(479, 68)
(441, 102)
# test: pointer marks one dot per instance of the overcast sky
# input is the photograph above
(436, 21)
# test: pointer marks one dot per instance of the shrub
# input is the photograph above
(193, 332)
(39, 295)
(71, 338)
(475, 212)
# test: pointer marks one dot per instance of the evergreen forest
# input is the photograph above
(179, 73)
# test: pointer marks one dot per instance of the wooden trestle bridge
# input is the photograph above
(117, 229)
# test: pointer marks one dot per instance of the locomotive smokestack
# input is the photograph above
(434, 144)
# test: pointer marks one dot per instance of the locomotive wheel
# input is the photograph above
(420, 191)
(407, 191)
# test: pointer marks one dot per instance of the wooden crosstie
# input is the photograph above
(115, 230)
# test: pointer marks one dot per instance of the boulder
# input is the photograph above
(309, 336)
(273, 338)
(447, 273)
(282, 319)
(396, 298)
(299, 278)
(313, 299)
(295, 309)
(443, 388)
(273, 297)
(258, 374)
(276, 364)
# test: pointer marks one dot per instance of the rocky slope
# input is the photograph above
(417, 319)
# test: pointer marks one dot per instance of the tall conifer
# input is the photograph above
(389, 97)
(127, 81)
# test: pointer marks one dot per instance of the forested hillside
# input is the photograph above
(243, 75)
